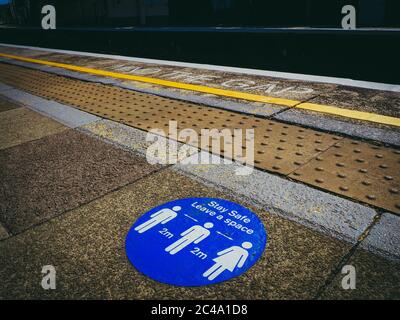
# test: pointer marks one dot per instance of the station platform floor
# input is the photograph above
(75, 173)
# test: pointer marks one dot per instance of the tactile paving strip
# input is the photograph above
(282, 148)
(357, 170)
(279, 147)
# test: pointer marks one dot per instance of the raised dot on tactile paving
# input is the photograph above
(319, 158)
(383, 166)
(319, 169)
(360, 160)
(319, 180)
(276, 167)
(340, 164)
(344, 188)
(363, 170)
(366, 183)
(357, 151)
(379, 156)
(371, 197)
(341, 175)
(388, 178)
(394, 190)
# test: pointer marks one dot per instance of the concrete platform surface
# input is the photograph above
(72, 183)
(6, 105)
(375, 277)
(86, 246)
(23, 125)
(47, 177)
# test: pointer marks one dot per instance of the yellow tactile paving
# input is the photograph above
(327, 161)
(333, 110)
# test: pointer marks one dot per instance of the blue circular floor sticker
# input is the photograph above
(196, 241)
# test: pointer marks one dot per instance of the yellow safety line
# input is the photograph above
(166, 83)
(353, 114)
(347, 113)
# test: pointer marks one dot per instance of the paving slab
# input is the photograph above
(384, 237)
(376, 278)
(137, 140)
(6, 105)
(46, 177)
(4, 87)
(86, 246)
(21, 125)
(64, 114)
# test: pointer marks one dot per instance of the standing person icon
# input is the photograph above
(194, 234)
(228, 259)
(163, 216)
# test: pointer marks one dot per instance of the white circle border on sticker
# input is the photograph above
(196, 241)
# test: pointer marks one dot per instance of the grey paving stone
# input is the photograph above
(376, 278)
(44, 178)
(6, 104)
(21, 125)
(136, 140)
(384, 237)
(67, 115)
(4, 87)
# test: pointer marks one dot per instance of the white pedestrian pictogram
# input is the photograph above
(194, 234)
(160, 217)
(228, 259)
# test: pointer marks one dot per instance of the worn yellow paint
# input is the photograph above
(353, 114)
(342, 112)
(166, 83)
